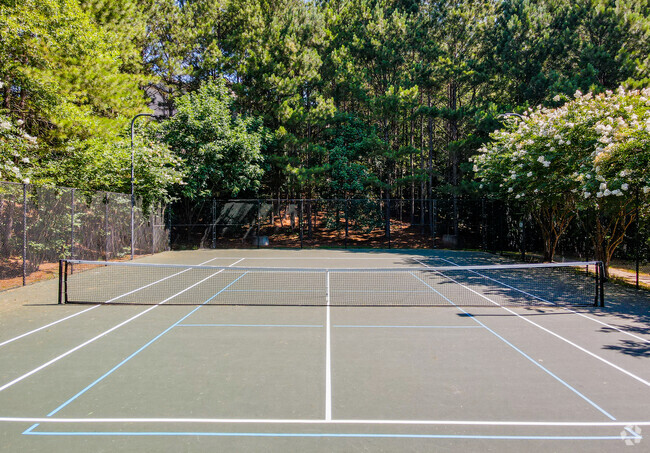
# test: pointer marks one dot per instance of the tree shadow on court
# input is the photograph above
(632, 348)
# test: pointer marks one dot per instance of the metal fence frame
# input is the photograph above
(72, 223)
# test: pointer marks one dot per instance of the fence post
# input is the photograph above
(637, 239)
(106, 235)
(24, 234)
(387, 221)
(301, 219)
(433, 213)
(257, 233)
(484, 229)
(168, 209)
(152, 216)
(310, 233)
(72, 224)
(347, 209)
(522, 226)
(214, 223)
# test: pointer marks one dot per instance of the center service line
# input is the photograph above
(76, 348)
(328, 358)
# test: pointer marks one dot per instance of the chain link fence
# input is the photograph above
(40, 225)
(467, 223)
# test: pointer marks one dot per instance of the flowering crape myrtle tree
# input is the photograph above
(590, 154)
(620, 167)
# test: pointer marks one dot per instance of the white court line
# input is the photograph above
(76, 348)
(326, 422)
(555, 305)
(91, 308)
(328, 358)
(632, 375)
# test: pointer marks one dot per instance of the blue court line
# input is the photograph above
(248, 325)
(137, 352)
(275, 291)
(411, 327)
(373, 291)
(321, 291)
(567, 385)
(353, 435)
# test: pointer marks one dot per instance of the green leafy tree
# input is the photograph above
(220, 153)
(62, 73)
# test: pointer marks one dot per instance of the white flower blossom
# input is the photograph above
(624, 186)
(587, 194)
(529, 174)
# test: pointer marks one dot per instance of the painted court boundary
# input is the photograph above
(275, 421)
(626, 425)
(97, 337)
(607, 362)
(550, 303)
(526, 356)
(11, 340)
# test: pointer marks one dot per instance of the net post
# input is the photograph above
(65, 282)
(602, 284)
(60, 282)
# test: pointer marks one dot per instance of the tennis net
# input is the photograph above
(100, 282)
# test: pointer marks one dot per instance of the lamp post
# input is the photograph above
(132, 178)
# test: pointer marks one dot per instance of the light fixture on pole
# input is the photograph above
(510, 114)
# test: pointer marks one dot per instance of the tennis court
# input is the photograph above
(324, 350)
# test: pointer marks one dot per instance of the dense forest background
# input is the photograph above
(292, 98)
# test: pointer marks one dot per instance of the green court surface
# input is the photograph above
(263, 376)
